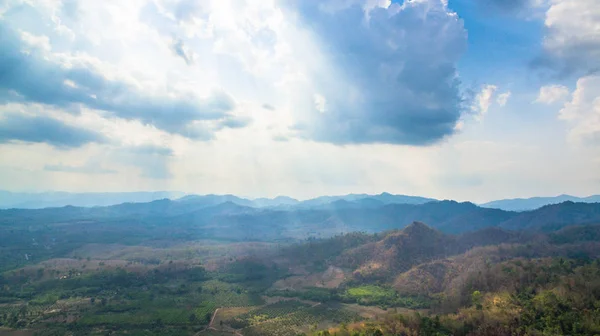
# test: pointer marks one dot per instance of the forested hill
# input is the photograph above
(489, 282)
(380, 258)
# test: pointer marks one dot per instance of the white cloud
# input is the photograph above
(582, 113)
(573, 34)
(503, 98)
(552, 93)
(95, 70)
(483, 100)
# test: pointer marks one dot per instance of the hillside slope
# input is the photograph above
(381, 258)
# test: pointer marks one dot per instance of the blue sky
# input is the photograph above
(463, 100)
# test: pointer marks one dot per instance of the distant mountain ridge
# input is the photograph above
(523, 204)
(59, 199)
(219, 217)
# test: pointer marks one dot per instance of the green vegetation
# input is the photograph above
(368, 295)
(153, 302)
(384, 297)
(129, 271)
(223, 294)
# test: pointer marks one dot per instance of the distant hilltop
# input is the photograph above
(523, 204)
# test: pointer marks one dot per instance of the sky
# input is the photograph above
(451, 99)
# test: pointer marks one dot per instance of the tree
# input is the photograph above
(476, 299)
(192, 318)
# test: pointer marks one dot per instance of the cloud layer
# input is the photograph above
(43, 129)
(348, 72)
(32, 74)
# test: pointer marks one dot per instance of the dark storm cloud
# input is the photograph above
(401, 64)
(30, 77)
(20, 127)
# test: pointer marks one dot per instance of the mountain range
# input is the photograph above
(58, 199)
(207, 217)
